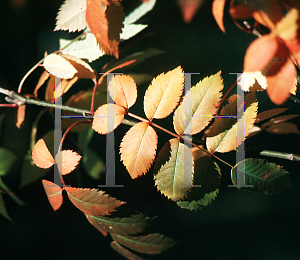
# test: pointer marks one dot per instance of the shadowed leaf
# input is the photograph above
(124, 252)
(164, 93)
(174, 169)
(283, 128)
(54, 194)
(198, 106)
(149, 244)
(122, 226)
(269, 113)
(41, 155)
(267, 178)
(189, 8)
(279, 119)
(71, 16)
(3, 210)
(93, 202)
(115, 114)
(7, 159)
(138, 149)
(122, 90)
(207, 174)
(45, 75)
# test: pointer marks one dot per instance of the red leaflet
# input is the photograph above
(54, 194)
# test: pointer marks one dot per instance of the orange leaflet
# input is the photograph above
(164, 93)
(138, 149)
(218, 12)
(115, 115)
(189, 8)
(67, 161)
(105, 20)
(92, 201)
(45, 75)
(41, 155)
(20, 115)
(54, 194)
(122, 90)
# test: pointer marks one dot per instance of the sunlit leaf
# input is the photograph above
(207, 174)
(41, 155)
(138, 149)
(3, 210)
(71, 16)
(30, 172)
(218, 12)
(84, 70)
(224, 132)
(164, 93)
(174, 169)
(249, 79)
(67, 160)
(107, 118)
(149, 244)
(86, 48)
(131, 30)
(140, 11)
(7, 159)
(105, 20)
(122, 90)
(58, 66)
(93, 202)
(122, 226)
(54, 194)
(198, 106)
(124, 252)
(267, 178)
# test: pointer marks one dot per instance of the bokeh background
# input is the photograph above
(237, 225)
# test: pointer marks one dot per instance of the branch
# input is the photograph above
(287, 156)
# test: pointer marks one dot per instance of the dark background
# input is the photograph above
(237, 225)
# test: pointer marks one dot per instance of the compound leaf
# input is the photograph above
(54, 194)
(198, 106)
(138, 149)
(115, 115)
(67, 160)
(174, 169)
(122, 226)
(93, 202)
(71, 16)
(41, 155)
(123, 91)
(164, 93)
(149, 244)
(224, 132)
(124, 252)
(265, 177)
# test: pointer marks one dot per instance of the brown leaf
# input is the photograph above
(54, 194)
(92, 201)
(164, 93)
(283, 128)
(123, 90)
(20, 116)
(67, 161)
(218, 12)
(115, 114)
(279, 119)
(41, 155)
(189, 8)
(45, 75)
(269, 113)
(105, 20)
(138, 149)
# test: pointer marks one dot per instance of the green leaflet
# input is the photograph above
(149, 244)
(7, 158)
(174, 176)
(124, 252)
(267, 178)
(3, 211)
(207, 174)
(122, 226)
